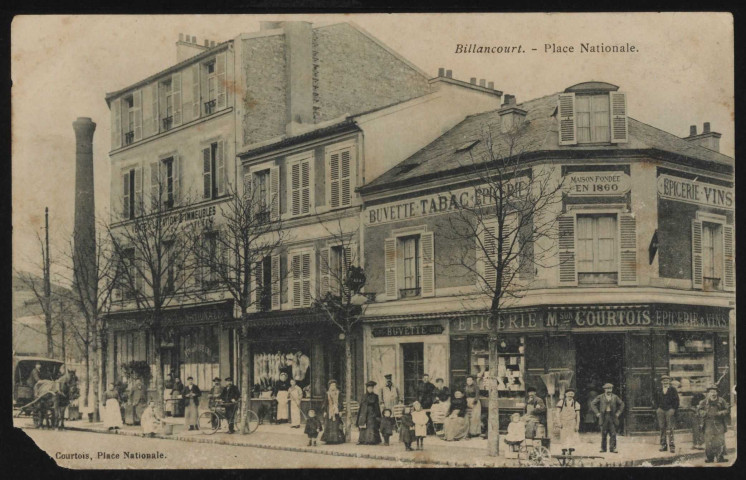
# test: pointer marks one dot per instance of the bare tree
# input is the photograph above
(237, 256)
(512, 223)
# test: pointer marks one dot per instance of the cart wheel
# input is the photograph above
(208, 423)
(540, 456)
(251, 422)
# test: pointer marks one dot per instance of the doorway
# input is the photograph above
(599, 360)
(414, 368)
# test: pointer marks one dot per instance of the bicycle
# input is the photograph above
(212, 421)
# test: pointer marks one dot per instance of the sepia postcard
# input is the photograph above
(374, 240)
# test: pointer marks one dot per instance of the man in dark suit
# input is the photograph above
(666, 404)
(34, 376)
(230, 397)
(608, 407)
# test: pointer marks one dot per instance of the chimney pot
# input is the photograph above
(693, 131)
(449, 73)
(473, 80)
(491, 85)
(441, 72)
(212, 43)
(481, 82)
(194, 39)
(207, 43)
(181, 37)
(706, 127)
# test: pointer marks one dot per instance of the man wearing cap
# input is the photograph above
(535, 413)
(714, 411)
(230, 396)
(608, 407)
(34, 376)
(215, 392)
(369, 417)
(388, 394)
(666, 404)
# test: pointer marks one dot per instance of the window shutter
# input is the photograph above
(346, 176)
(333, 180)
(137, 106)
(297, 280)
(729, 272)
(126, 196)
(154, 191)
(196, 100)
(390, 267)
(258, 280)
(428, 264)
(618, 117)
(220, 72)
(206, 173)
(274, 193)
(156, 125)
(247, 180)
(138, 268)
(220, 167)
(627, 249)
(176, 171)
(305, 170)
(487, 254)
(566, 117)
(307, 266)
(697, 254)
(276, 282)
(116, 124)
(176, 95)
(325, 256)
(139, 204)
(295, 189)
(346, 263)
(567, 272)
(147, 111)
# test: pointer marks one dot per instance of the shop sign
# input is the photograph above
(582, 184)
(518, 321)
(660, 317)
(407, 330)
(682, 318)
(205, 215)
(692, 191)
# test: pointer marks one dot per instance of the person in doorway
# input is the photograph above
(389, 394)
(456, 426)
(229, 396)
(666, 404)
(295, 394)
(406, 429)
(419, 417)
(535, 412)
(369, 417)
(280, 394)
(149, 421)
(191, 398)
(568, 413)
(698, 433)
(177, 398)
(473, 406)
(714, 412)
(608, 407)
(112, 416)
(387, 425)
(313, 427)
(333, 433)
(589, 418)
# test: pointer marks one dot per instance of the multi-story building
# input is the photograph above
(644, 274)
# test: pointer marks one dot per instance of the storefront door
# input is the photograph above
(414, 368)
(599, 360)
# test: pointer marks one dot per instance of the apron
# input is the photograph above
(282, 405)
(568, 420)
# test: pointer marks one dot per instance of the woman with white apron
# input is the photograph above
(280, 393)
(112, 416)
(295, 394)
(568, 413)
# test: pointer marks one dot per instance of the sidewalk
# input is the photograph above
(634, 451)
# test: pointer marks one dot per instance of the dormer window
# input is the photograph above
(592, 112)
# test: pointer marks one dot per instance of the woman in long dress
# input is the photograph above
(456, 427)
(168, 385)
(177, 399)
(295, 394)
(112, 412)
(333, 433)
(280, 394)
(191, 397)
(369, 417)
(568, 414)
(471, 392)
(149, 420)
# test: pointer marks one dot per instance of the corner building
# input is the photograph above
(642, 281)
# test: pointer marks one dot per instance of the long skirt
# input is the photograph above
(475, 418)
(112, 414)
(714, 439)
(568, 436)
(294, 413)
(191, 414)
(333, 433)
(406, 435)
(149, 423)
(168, 405)
(282, 405)
(370, 434)
(439, 411)
(455, 428)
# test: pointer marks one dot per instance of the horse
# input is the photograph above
(53, 396)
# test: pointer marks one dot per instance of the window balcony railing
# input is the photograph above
(210, 107)
(129, 137)
(262, 218)
(409, 292)
(168, 123)
(711, 284)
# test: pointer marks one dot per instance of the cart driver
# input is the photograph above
(34, 376)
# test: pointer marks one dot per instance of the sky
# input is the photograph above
(62, 67)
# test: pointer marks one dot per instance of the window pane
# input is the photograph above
(600, 120)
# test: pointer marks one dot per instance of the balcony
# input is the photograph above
(210, 107)
(409, 292)
(711, 284)
(168, 122)
(129, 137)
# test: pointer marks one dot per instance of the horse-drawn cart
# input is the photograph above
(46, 399)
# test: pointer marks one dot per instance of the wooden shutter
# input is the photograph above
(295, 189)
(618, 112)
(305, 185)
(297, 280)
(138, 192)
(488, 253)
(697, 254)
(196, 100)
(220, 167)
(345, 177)
(137, 107)
(427, 249)
(155, 189)
(156, 125)
(276, 282)
(390, 267)
(258, 282)
(627, 249)
(566, 118)
(247, 186)
(147, 111)
(324, 259)
(567, 272)
(340, 168)
(274, 193)
(176, 171)
(346, 263)
(729, 272)
(116, 124)
(176, 97)
(220, 73)
(206, 173)
(307, 273)
(126, 195)
(333, 180)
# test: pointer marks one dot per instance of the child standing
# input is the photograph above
(387, 425)
(419, 417)
(406, 431)
(313, 427)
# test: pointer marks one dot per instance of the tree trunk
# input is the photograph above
(98, 387)
(244, 377)
(158, 359)
(87, 384)
(63, 334)
(493, 420)
(348, 387)
(50, 336)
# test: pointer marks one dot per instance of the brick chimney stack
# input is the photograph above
(707, 139)
(299, 73)
(510, 115)
(187, 47)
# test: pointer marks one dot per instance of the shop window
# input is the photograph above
(414, 368)
(199, 355)
(511, 366)
(712, 256)
(271, 360)
(597, 249)
(691, 362)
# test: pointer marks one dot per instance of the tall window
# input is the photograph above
(129, 127)
(168, 168)
(263, 275)
(712, 255)
(212, 88)
(597, 249)
(301, 191)
(212, 260)
(130, 280)
(339, 263)
(410, 248)
(592, 118)
(261, 195)
(131, 192)
(170, 276)
(213, 170)
(167, 87)
(301, 267)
